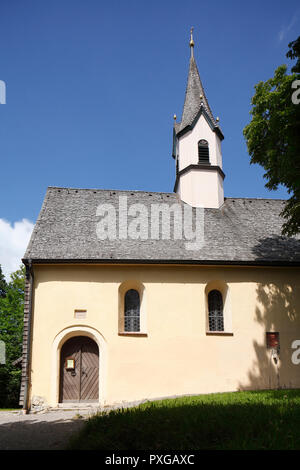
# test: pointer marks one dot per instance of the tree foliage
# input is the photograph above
(11, 332)
(3, 284)
(273, 136)
(294, 53)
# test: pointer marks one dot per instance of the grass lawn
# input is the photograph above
(240, 420)
(10, 409)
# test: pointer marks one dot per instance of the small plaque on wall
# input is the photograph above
(272, 340)
(80, 313)
(70, 363)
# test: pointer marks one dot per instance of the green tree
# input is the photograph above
(273, 136)
(11, 332)
(3, 284)
(294, 53)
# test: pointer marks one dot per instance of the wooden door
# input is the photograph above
(89, 386)
(81, 382)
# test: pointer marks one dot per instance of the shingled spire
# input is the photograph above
(195, 99)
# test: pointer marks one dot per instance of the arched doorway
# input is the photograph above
(79, 370)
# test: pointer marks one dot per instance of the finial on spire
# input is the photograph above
(192, 42)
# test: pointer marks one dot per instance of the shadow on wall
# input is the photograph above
(277, 310)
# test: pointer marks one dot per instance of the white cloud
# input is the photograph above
(14, 239)
(285, 29)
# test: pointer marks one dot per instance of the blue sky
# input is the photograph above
(92, 87)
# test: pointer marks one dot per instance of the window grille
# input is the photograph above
(132, 311)
(215, 311)
(203, 151)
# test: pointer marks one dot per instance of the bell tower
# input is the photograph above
(197, 146)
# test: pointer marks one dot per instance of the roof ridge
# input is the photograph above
(256, 198)
(111, 190)
(153, 192)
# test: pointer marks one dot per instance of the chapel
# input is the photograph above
(134, 295)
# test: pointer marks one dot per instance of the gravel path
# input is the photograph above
(41, 431)
(49, 430)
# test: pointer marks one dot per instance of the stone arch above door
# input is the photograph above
(59, 340)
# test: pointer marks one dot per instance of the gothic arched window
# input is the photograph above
(215, 311)
(132, 311)
(203, 151)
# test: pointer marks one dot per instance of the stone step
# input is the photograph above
(78, 406)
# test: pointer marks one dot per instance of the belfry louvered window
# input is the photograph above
(203, 151)
(215, 311)
(132, 311)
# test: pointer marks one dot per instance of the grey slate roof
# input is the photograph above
(193, 102)
(242, 231)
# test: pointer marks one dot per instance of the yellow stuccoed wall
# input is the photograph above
(177, 356)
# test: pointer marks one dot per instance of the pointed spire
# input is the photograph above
(195, 98)
(192, 42)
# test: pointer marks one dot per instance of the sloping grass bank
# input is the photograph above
(240, 420)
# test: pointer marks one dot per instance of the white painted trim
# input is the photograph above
(59, 340)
